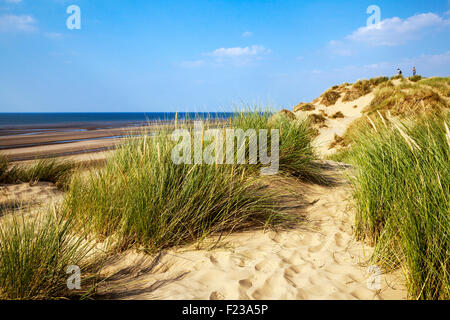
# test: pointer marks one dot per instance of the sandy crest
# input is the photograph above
(351, 110)
(317, 259)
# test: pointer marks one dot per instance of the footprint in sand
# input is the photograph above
(338, 240)
(245, 283)
(264, 266)
(316, 248)
(215, 295)
(213, 260)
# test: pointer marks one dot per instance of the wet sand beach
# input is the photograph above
(34, 142)
(62, 143)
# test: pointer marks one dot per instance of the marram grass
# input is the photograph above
(142, 199)
(402, 192)
(50, 170)
(145, 199)
(297, 156)
(35, 253)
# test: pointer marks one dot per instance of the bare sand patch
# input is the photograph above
(25, 194)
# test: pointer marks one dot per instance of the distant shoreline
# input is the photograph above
(56, 140)
(32, 123)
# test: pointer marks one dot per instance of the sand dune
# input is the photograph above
(315, 259)
(351, 110)
(318, 259)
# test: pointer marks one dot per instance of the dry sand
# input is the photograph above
(26, 198)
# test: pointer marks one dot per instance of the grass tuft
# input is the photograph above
(50, 170)
(402, 191)
(440, 84)
(415, 78)
(302, 106)
(34, 256)
(397, 76)
(146, 200)
(330, 97)
(406, 99)
(336, 115)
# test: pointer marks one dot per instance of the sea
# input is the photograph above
(27, 123)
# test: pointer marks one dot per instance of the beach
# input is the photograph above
(57, 143)
(72, 140)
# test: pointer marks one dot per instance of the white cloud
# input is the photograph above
(254, 50)
(237, 56)
(22, 23)
(396, 31)
(247, 34)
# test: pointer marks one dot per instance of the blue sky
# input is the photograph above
(207, 55)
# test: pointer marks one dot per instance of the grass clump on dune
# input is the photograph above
(397, 76)
(303, 106)
(49, 170)
(34, 257)
(144, 199)
(440, 84)
(330, 97)
(388, 83)
(415, 78)
(362, 87)
(378, 80)
(336, 115)
(359, 89)
(402, 191)
(296, 153)
(406, 99)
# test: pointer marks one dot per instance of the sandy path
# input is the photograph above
(318, 259)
